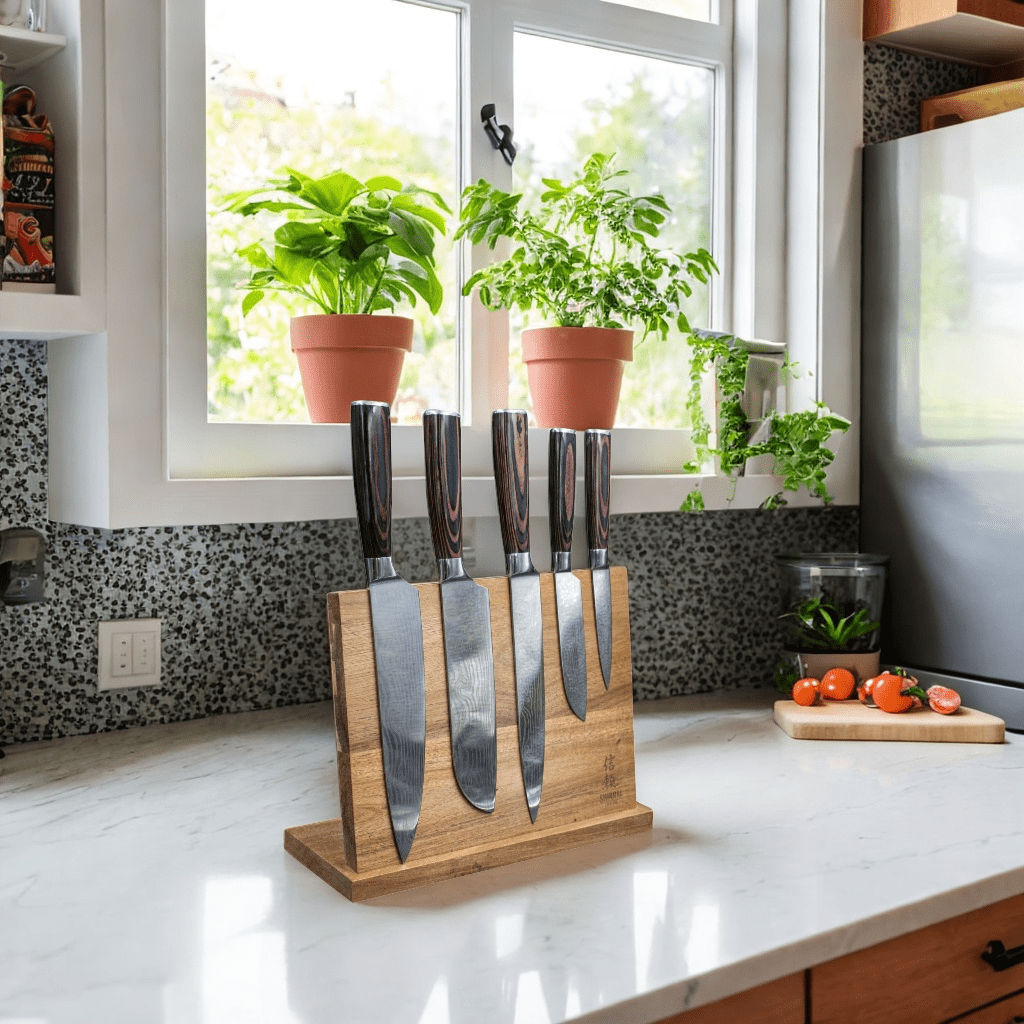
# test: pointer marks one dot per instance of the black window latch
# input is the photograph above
(499, 134)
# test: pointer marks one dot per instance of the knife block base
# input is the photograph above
(321, 849)
(589, 790)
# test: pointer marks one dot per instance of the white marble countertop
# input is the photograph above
(143, 879)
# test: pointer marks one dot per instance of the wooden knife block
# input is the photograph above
(589, 790)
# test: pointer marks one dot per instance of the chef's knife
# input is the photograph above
(465, 618)
(397, 631)
(597, 457)
(568, 592)
(509, 443)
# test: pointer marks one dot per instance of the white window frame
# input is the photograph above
(117, 419)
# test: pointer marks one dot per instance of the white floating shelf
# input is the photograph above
(33, 316)
(21, 49)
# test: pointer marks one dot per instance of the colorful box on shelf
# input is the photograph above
(27, 223)
(589, 789)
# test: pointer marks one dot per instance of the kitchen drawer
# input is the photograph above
(778, 1002)
(1009, 1011)
(924, 977)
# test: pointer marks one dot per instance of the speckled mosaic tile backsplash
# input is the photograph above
(243, 606)
(895, 82)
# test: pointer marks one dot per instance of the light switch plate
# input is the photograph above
(129, 654)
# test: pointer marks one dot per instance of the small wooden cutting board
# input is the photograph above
(851, 720)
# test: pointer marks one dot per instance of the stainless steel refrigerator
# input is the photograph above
(942, 474)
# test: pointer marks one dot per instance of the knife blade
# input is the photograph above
(568, 592)
(597, 459)
(396, 624)
(510, 449)
(465, 618)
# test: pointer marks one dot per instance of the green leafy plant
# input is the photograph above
(345, 245)
(584, 256)
(815, 625)
(787, 672)
(796, 441)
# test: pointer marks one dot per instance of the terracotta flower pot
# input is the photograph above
(348, 357)
(575, 374)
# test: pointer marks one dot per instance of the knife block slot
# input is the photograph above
(589, 791)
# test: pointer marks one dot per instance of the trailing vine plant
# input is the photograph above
(797, 441)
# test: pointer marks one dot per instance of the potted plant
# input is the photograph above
(832, 611)
(354, 250)
(584, 258)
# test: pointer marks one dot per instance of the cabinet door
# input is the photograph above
(778, 1002)
(925, 977)
(1009, 1011)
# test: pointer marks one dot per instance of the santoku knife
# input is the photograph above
(397, 629)
(568, 592)
(510, 448)
(465, 618)
(597, 456)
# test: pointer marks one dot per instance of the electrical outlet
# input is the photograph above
(143, 653)
(129, 653)
(121, 654)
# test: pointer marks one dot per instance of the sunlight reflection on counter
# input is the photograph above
(243, 968)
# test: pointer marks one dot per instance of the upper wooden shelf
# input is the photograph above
(983, 32)
(21, 49)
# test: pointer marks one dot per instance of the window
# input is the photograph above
(393, 109)
(571, 76)
(383, 108)
(657, 116)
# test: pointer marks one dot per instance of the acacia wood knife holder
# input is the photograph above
(589, 791)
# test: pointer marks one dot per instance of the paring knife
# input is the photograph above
(597, 458)
(568, 592)
(510, 448)
(397, 630)
(465, 618)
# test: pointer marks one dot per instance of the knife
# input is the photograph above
(568, 592)
(510, 448)
(597, 458)
(465, 618)
(397, 630)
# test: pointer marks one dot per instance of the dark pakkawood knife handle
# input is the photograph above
(597, 456)
(442, 453)
(510, 438)
(561, 487)
(371, 475)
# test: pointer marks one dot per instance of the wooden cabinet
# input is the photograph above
(925, 977)
(778, 1002)
(1006, 1011)
(985, 32)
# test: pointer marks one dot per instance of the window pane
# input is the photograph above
(314, 87)
(697, 10)
(572, 100)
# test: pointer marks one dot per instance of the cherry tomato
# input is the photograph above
(888, 693)
(805, 691)
(943, 700)
(837, 684)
